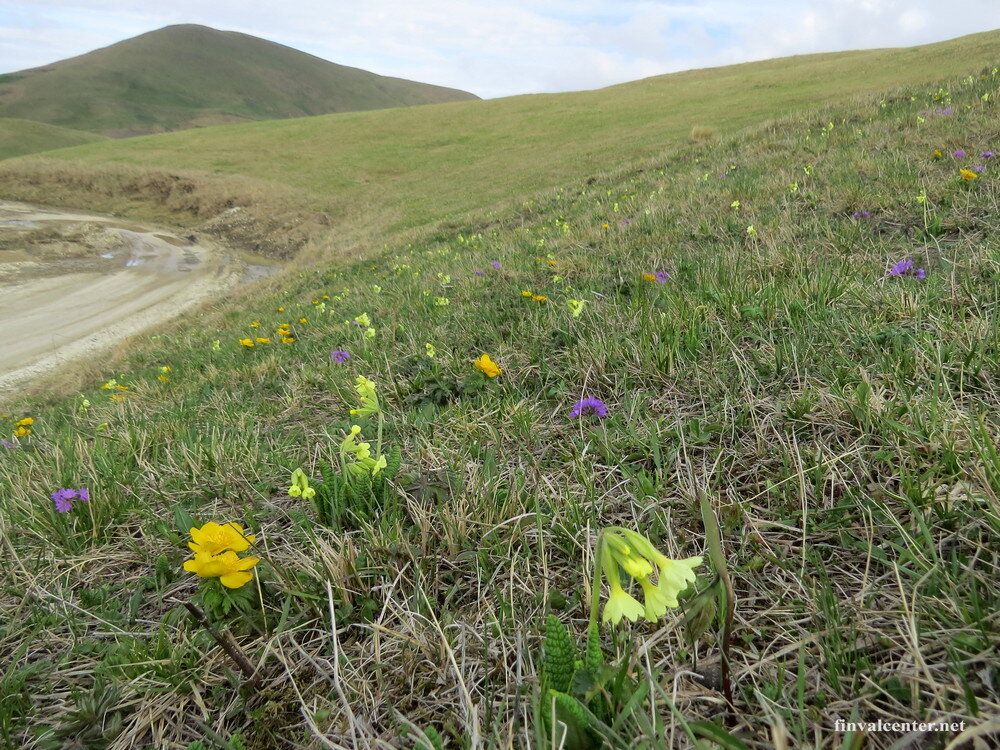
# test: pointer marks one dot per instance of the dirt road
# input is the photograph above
(72, 284)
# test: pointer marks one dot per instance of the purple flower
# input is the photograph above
(627, 221)
(7, 444)
(944, 111)
(905, 268)
(588, 406)
(987, 154)
(958, 154)
(901, 268)
(339, 356)
(62, 498)
(661, 276)
(478, 272)
(861, 215)
(495, 264)
(979, 168)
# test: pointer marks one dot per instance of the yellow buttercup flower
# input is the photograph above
(263, 341)
(968, 175)
(255, 324)
(539, 297)
(231, 570)
(487, 366)
(649, 277)
(26, 422)
(213, 538)
(248, 343)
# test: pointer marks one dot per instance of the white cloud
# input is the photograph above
(500, 48)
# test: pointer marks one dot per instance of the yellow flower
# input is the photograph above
(575, 307)
(303, 320)
(26, 422)
(22, 432)
(247, 343)
(937, 153)
(213, 538)
(281, 309)
(255, 324)
(263, 341)
(163, 378)
(287, 339)
(621, 604)
(649, 277)
(539, 297)
(166, 369)
(622, 549)
(487, 366)
(231, 570)
(369, 398)
(116, 397)
(300, 486)
(968, 175)
(216, 345)
(527, 294)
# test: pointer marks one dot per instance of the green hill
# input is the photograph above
(413, 165)
(20, 137)
(192, 76)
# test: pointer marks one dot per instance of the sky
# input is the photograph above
(498, 48)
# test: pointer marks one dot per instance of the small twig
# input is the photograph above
(228, 643)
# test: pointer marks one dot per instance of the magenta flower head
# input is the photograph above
(478, 272)
(6, 444)
(63, 498)
(339, 357)
(987, 154)
(495, 264)
(589, 406)
(862, 214)
(958, 154)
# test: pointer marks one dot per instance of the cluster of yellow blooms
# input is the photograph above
(533, 296)
(215, 548)
(284, 333)
(22, 427)
(622, 549)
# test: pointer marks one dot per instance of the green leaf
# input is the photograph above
(711, 731)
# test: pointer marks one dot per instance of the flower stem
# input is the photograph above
(713, 538)
(595, 587)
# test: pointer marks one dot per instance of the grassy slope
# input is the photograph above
(430, 162)
(20, 137)
(186, 76)
(844, 425)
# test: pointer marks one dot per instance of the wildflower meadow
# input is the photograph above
(703, 451)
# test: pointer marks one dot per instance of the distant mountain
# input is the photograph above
(191, 76)
(20, 137)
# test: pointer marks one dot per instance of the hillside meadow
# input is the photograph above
(405, 168)
(771, 359)
(21, 137)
